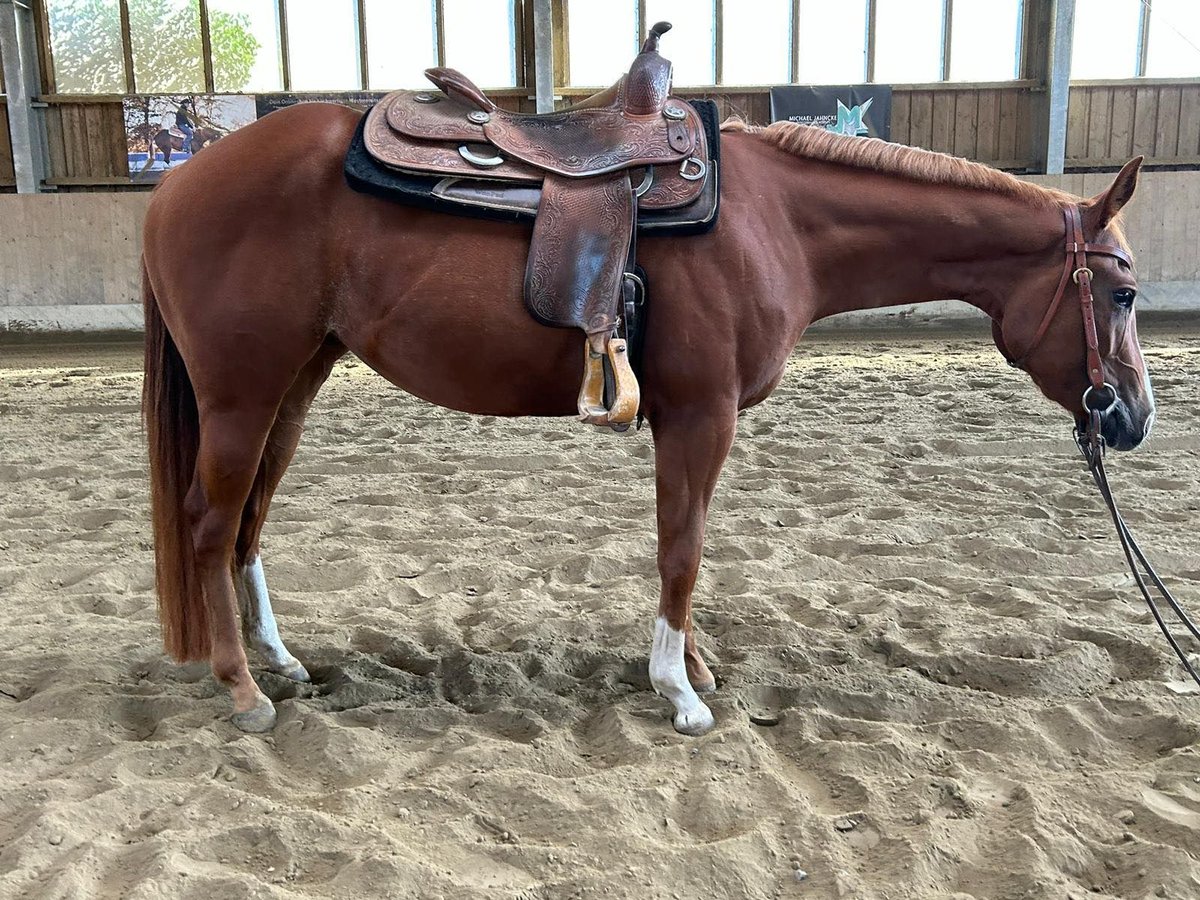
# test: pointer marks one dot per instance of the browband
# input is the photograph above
(1075, 268)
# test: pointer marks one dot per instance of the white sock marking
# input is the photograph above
(668, 674)
(261, 627)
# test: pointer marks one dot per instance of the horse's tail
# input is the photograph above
(173, 432)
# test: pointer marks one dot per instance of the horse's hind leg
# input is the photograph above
(258, 619)
(231, 447)
(689, 452)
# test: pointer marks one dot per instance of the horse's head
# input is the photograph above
(1044, 332)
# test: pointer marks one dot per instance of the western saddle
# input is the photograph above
(584, 174)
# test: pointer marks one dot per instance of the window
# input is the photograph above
(323, 45)
(601, 39)
(985, 38)
(165, 40)
(832, 41)
(1105, 44)
(908, 41)
(754, 45)
(245, 45)
(481, 38)
(85, 40)
(691, 42)
(272, 45)
(401, 43)
(1174, 47)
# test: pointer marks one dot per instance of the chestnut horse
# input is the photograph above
(299, 269)
(167, 141)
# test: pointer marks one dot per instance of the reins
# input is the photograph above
(1090, 439)
(1092, 447)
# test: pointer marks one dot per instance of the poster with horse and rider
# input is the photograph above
(164, 130)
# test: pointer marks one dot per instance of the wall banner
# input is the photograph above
(360, 100)
(164, 130)
(855, 109)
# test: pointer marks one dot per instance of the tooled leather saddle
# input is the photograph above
(629, 158)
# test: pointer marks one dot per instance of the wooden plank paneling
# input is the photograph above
(1023, 120)
(86, 140)
(1161, 221)
(76, 141)
(943, 122)
(920, 123)
(1010, 109)
(966, 123)
(106, 129)
(1099, 124)
(1166, 130)
(902, 116)
(1120, 137)
(1160, 120)
(7, 175)
(1078, 106)
(1108, 123)
(54, 142)
(1145, 120)
(987, 132)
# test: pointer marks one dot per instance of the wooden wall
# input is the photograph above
(1161, 222)
(991, 123)
(7, 175)
(86, 143)
(1107, 123)
(988, 123)
(1110, 123)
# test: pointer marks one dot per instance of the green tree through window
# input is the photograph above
(86, 42)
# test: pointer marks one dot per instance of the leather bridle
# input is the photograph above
(1100, 398)
(1075, 268)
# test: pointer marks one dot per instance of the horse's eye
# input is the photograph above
(1124, 297)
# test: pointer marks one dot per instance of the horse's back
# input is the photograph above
(298, 147)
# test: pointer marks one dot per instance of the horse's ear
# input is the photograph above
(1103, 208)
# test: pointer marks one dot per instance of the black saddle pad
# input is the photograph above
(365, 174)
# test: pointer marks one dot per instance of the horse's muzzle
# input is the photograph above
(1121, 428)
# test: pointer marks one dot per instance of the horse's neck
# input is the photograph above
(875, 240)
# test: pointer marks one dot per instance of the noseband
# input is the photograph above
(1099, 399)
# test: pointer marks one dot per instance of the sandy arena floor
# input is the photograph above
(906, 566)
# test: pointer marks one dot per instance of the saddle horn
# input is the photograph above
(657, 30)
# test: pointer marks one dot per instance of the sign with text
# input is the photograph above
(361, 100)
(862, 110)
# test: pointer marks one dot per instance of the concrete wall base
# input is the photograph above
(121, 317)
(1174, 298)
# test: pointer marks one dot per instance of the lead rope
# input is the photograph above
(1091, 445)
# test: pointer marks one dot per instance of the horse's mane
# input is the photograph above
(925, 166)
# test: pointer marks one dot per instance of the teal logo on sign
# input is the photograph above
(850, 119)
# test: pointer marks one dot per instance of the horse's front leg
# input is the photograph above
(690, 448)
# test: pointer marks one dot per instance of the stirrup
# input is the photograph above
(591, 393)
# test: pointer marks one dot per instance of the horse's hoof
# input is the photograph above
(695, 722)
(257, 720)
(295, 672)
(709, 687)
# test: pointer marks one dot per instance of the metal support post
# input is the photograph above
(19, 51)
(543, 55)
(1058, 84)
